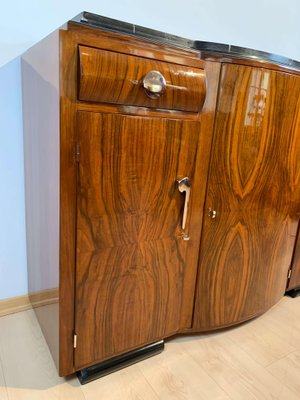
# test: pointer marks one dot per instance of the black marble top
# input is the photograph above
(98, 21)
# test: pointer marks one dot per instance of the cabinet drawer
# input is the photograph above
(111, 77)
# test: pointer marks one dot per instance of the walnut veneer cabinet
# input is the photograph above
(162, 187)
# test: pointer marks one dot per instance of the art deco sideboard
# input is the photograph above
(162, 187)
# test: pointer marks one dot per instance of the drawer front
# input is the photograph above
(110, 77)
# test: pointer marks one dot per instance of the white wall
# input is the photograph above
(13, 279)
(270, 25)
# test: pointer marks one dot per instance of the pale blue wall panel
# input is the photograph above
(13, 273)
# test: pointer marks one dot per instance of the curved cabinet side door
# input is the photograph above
(254, 189)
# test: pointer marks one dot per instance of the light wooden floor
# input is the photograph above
(258, 360)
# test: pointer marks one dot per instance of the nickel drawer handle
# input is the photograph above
(154, 84)
(184, 185)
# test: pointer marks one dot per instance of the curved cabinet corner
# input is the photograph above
(247, 245)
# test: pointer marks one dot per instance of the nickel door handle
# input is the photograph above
(184, 185)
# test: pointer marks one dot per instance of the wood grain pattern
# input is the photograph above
(251, 62)
(176, 375)
(130, 260)
(111, 77)
(142, 265)
(235, 371)
(294, 281)
(286, 371)
(69, 41)
(139, 111)
(263, 340)
(246, 250)
(206, 119)
(68, 182)
(122, 43)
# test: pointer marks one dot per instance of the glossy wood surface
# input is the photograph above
(206, 120)
(139, 111)
(254, 188)
(130, 257)
(187, 250)
(111, 77)
(247, 61)
(68, 182)
(294, 281)
(129, 44)
(69, 41)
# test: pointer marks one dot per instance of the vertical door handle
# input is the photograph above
(184, 185)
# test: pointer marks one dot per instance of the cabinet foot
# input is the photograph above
(293, 293)
(114, 364)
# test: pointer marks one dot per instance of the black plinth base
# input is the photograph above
(114, 364)
(293, 293)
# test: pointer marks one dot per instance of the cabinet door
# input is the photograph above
(253, 186)
(130, 261)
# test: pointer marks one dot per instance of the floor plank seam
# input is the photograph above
(282, 358)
